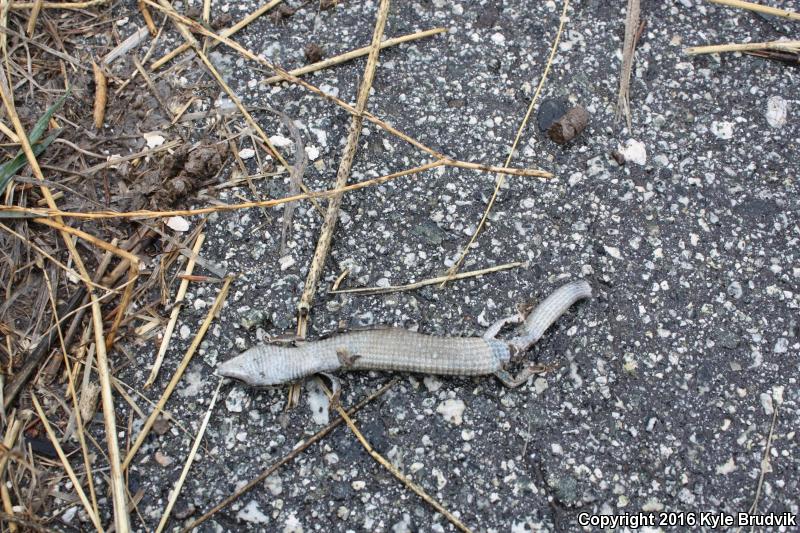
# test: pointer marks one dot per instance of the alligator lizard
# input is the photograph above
(401, 350)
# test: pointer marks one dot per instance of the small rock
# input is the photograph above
(253, 318)
(286, 262)
(452, 410)
(432, 383)
(274, 484)
(179, 224)
(236, 400)
(781, 346)
(251, 513)
(184, 512)
(777, 111)
(735, 290)
(247, 153)
(633, 151)
(314, 52)
(161, 425)
(69, 515)
(727, 468)
(723, 130)
(163, 459)
(550, 110)
(358, 485)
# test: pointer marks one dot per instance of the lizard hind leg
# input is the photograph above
(512, 382)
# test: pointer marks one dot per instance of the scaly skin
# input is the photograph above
(402, 350)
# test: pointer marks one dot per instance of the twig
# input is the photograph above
(148, 18)
(148, 425)
(628, 49)
(759, 8)
(358, 52)
(37, 6)
(501, 179)
(118, 492)
(296, 172)
(179, 484)
(369, 291)
(176, 309)
(134, 40)
(100, 95)
(342, 175)
(765, 461)
(319, 435)
(225, 33)
(783, 46)
(67, 467)
(418, 490)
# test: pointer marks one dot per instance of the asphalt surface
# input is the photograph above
(666, 384)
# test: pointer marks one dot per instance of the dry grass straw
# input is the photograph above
(177, 305)
(187, 358)
(121, 517)
(449, 161)
(342, 175)
(37, 7)
(148, 18)
(58, 5)
(40, 214)
(65, 462)
(369, 291)
(100, 95)
(74, 397)
(13, 428)
(416, 489)
(501, 178)
(781, 46)
(225, 33)
(297, 450)
(765, 465)
(777, 12)
(628, 50)
(358, 52)
(173, 497)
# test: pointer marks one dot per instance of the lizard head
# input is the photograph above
(260, 366)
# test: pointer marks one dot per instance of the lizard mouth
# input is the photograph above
(232, 369)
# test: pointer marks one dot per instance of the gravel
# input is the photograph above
(665, 386)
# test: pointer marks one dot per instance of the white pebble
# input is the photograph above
(280, 141)
(312, 152)
(777, 111)
(251, 513)
(634, 151)
(723, 130)
(452, 410)
(498, 38)
(247, 153)
(286, 262)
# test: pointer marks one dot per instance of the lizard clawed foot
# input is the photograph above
(522, 377)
